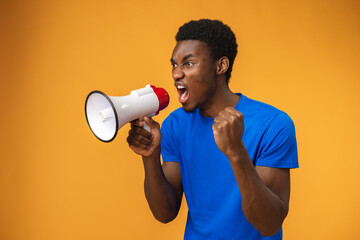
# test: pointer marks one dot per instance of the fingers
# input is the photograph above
(216, 127)
(138, 136)
(227, 121)
(137, 122)
(230, 115)
(139, 141)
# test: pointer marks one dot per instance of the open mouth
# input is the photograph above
(183, 93)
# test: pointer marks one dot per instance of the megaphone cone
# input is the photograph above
(105, 115)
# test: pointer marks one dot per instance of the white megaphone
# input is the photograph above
(106, 115)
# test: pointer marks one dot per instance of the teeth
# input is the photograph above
(182, 91)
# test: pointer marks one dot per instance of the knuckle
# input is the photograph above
(221, 113)
(135, 142)
(131, 134)
(149, 135)
(130, 141)
(137, 130)
(241, 116)
(138, 138)
(226, 122)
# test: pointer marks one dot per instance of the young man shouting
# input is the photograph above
(230, 155)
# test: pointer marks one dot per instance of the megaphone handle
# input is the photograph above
(146, 126)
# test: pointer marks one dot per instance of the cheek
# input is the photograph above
(201, 79)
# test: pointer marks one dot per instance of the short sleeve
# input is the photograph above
(169, 151)
(278, 147)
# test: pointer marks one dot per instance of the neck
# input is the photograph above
(222, 98)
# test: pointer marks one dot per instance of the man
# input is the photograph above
(229, 154)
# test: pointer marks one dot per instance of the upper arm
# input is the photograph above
(278, 181)
(278, 156)
(172, 173)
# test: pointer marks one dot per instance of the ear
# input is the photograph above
(222, 65)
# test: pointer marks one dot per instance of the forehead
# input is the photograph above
(190, 47)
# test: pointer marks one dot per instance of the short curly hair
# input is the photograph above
(219, 38)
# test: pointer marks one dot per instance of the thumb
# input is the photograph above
(151, 122)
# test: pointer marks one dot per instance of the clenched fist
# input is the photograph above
(228, 129)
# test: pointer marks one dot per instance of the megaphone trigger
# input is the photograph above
(146, 126)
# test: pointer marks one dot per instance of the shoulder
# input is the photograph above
(275, 132)
(266, 121)
(255, 106)
(263, 112)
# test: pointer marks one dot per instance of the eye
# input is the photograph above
(189, 64)
(174, 65)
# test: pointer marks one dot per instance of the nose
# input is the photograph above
(177, 73)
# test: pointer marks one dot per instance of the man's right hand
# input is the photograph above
(142, 142)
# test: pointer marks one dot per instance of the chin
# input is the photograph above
(188, 108)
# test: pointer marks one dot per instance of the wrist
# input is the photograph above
(239, 154)
(153, 156)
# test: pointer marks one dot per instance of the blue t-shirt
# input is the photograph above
(210, 188)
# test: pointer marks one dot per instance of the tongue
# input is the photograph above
(183, 96)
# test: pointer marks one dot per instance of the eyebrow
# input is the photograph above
(184, 58)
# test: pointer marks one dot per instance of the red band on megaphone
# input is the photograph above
(162, 96)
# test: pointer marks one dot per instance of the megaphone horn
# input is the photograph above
(105, 115)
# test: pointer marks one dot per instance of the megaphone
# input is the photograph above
(105, 115)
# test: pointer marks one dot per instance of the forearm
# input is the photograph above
(160, 194)
(264, 209)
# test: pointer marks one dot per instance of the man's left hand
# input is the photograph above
(228, 129)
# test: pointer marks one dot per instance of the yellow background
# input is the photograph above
(57, 181)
